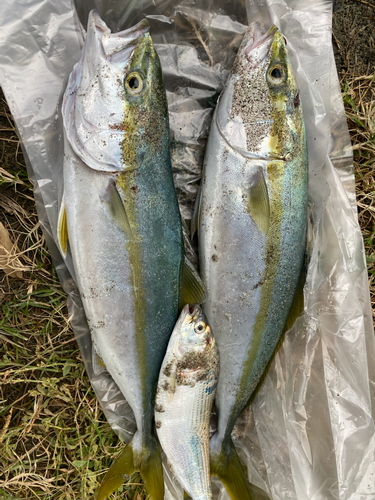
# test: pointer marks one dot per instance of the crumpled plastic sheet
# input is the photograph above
(309, 433)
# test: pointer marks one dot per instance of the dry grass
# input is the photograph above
(54, 440)
(359, 99)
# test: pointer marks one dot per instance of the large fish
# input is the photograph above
(252, 227)
(123, 224)
(184, 398)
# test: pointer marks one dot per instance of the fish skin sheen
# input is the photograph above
(252, 228)
(184, 399)
(124, 224)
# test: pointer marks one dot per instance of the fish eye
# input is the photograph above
(276, 74)
(200, 327)
(134, 83)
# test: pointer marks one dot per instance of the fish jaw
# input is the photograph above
(185, 394)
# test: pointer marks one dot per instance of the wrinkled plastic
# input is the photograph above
(310, 432)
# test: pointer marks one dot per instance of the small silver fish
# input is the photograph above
(184, 398)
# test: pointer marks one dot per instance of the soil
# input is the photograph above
(354, 36)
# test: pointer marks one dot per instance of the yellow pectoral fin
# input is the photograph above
(258, 202)
(191, 287)
(62, 229)
(115, 208)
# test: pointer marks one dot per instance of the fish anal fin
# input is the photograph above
(228, 468)
(147, 462)
(258, 203)
(115, 207)
(62, 229)
(191, 286)
(98, 364)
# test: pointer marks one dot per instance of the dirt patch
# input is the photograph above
(353, 24)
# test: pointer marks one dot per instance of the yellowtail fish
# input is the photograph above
(121, 218)
(252, 228)
(184, 398)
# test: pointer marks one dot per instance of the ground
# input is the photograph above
(54, 440)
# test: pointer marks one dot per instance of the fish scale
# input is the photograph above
(252, 228)
(185, 394)
(123, 224)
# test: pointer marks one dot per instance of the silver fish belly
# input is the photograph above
(185, 394)
(252, 226)
(124, 226)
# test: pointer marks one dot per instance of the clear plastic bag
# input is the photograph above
(310, 432)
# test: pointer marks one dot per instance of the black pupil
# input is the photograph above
(200, 328)
(276, 73)
(133, 82)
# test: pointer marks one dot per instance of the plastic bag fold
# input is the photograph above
(309, 433)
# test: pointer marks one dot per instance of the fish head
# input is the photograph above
(145, 121)
(261, 95)
(194, 333)
(105, 105)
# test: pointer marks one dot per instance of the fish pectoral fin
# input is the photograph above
(172, 388)
(62, 229)
(98, 364)
(115, 207)
(195, 221)
(258, 203)
(191, 286)
(147, 461)
(228, 468)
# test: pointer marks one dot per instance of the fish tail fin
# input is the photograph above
(147, 462)
(152, 474)
(227, 466)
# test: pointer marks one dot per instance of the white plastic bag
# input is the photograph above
(310, 432)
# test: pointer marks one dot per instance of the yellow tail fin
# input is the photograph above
(228, 468)
(148, 463)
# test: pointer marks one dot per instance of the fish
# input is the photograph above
(119, 217)
(251, 218)
(184, 398)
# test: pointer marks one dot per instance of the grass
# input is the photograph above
(359, 100)
(54, 440)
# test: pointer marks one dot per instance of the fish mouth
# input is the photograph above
(192, 312)
(258, 38)
(253, 55)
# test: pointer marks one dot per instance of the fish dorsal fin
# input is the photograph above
(298, 301)
(191, 286)
(62, 229)
(98, 365)
(115, 207)
(258, 201)
(196, 220)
